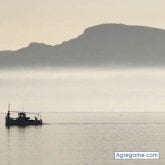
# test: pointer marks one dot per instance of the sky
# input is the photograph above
(55, 21)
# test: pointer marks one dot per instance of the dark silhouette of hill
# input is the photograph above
(113, 45)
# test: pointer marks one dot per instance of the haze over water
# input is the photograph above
(83, 90)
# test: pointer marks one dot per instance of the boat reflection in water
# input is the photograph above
(22, 119)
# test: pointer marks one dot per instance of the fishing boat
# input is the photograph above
(22, 119)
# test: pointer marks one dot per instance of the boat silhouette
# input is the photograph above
(22, 119)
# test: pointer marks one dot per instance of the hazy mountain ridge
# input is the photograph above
(102, 45)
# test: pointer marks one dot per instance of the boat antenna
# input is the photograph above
(8, 107)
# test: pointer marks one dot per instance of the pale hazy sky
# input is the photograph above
(54, 21)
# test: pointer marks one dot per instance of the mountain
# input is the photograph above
(113, 45)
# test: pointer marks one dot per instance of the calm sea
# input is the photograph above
(97, 112)
(83, 138)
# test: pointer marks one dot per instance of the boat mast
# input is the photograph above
(8, 113)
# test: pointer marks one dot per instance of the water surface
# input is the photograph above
(83, 138)
(76, 134)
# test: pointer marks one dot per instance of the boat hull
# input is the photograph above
(12, 122)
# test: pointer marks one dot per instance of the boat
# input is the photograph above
(22, 119)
